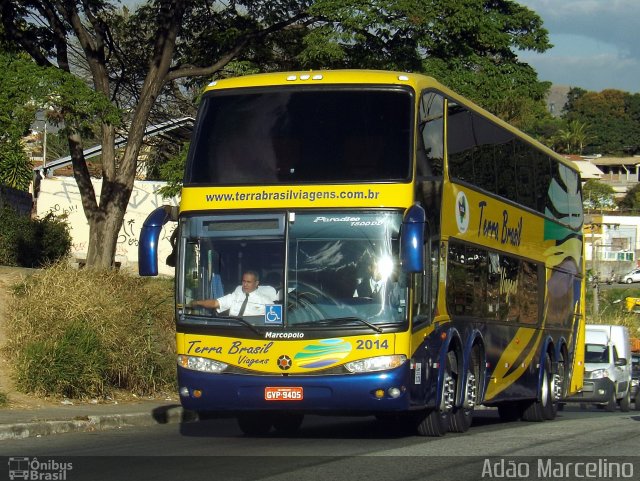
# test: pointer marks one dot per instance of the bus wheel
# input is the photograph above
(287, 422)
(255, 423)
(436, 421)
(543, 408)
(461, 417)
(555, 390)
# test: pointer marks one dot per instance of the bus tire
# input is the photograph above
(287, 422)
(436, 421)
(462, 416)
(556, 389)
(542, 408)
(255, 423)
(433, 424)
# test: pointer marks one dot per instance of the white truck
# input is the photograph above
(607, 377)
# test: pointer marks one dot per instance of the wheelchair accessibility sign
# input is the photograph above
(273, 314)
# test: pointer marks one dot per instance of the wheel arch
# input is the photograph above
(474, 341)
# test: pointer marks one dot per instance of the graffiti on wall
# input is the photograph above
(60, 196)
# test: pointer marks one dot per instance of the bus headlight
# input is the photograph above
(597, 374)
(201, 364)
(380, 363)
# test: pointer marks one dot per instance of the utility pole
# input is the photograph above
(44, 144)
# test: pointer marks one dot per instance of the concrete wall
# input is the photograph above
(60, 196)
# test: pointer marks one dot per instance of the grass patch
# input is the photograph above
(4, 399)
(85, 333)
(612, 308)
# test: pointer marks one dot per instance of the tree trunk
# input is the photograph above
(103, 238)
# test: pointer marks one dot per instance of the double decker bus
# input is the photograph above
(311, 182)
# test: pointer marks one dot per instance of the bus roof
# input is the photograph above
(323, 77)
(417, 81)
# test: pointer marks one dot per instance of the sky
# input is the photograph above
(596, 43)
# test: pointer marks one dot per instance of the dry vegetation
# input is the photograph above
(85, 333)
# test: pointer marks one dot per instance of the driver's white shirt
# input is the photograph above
(255, 305)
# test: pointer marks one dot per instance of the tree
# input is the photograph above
(612, 119)
(631, 200)
(23, 87)
(166, 48)
(597, 195)
(20, 84)
(571, 139)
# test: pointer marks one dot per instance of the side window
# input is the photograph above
(460, 143)
(528, 293)
(467, 281)
(542, 181)
(525, 175)
(491, 286)
(431, 151)
(496, 169)
(506, 170)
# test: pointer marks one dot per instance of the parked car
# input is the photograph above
(630, 277)
(607, 365)
(635, 379)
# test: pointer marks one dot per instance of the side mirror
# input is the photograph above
(412, 239)
(149, 236)
(621, 362)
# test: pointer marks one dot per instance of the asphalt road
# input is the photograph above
(347, 449)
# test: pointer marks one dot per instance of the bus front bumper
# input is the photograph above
(385, 391)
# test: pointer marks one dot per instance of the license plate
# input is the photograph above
(283, 394)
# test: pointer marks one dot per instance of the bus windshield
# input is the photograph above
(283, 136)
(316, 270)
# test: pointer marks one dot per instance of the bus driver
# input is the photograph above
(248, 299)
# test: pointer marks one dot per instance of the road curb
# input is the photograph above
(100, 422)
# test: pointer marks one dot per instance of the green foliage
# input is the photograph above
(71, 364)
(508, 89)
(15, 167)
(4, 399)
(24, 88)
(571, 138)
(631, 200)
(172, 172)
(611, 117)
(27, 242)
(612, 310)
(150, 61)
(597, 195)
(98, 332)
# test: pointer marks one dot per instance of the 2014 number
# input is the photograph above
(368, 344)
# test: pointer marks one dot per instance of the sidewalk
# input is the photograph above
(24, 423)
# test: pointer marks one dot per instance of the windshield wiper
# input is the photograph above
(239, 320)
(340, 320)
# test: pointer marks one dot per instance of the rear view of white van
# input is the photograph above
(607, 377)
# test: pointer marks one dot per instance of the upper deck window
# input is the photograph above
(284, 136)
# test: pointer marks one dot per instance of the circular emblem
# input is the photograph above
(462, 212)
(284, 362)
